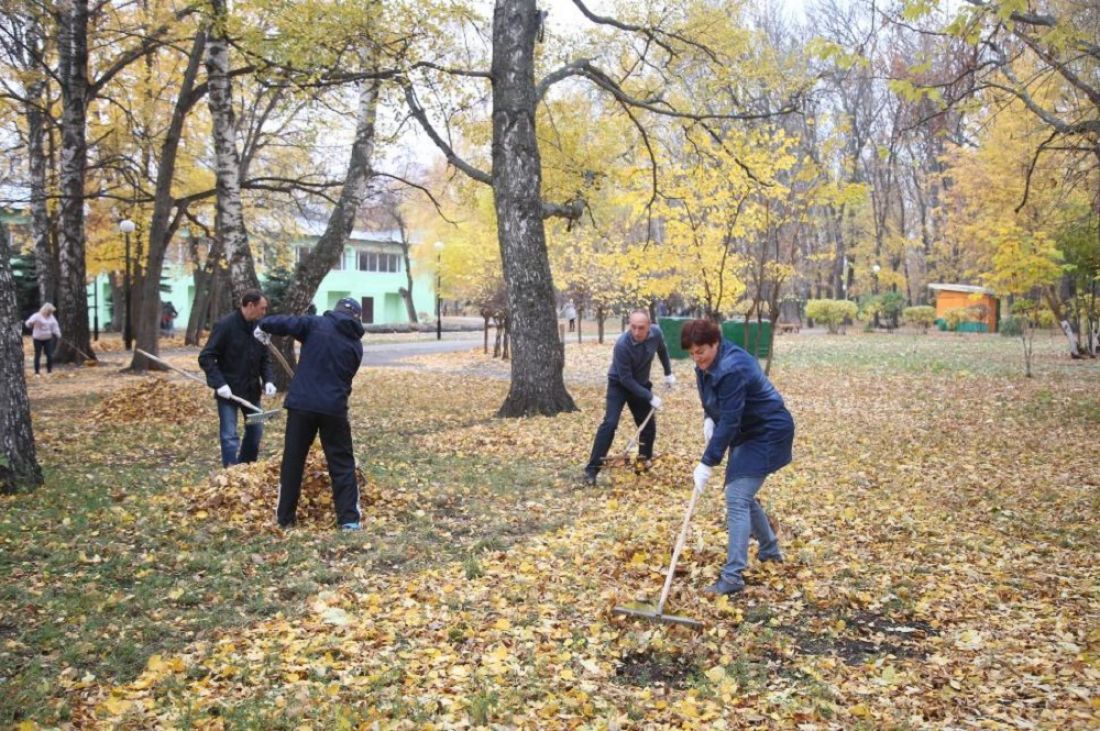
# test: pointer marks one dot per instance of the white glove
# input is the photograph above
(670, 380)
(263, 337)
(269, 389)
(708, 429)
(224, 391)
(701, 475)
(655, 402)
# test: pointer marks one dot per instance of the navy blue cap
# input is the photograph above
(350, 306)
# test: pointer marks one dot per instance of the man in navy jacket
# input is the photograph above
(317, 401)
(628, 382)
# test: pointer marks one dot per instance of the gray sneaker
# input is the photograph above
(350, 527)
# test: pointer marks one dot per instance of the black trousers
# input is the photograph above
(617, 395)
(43, 346)
(302, 428)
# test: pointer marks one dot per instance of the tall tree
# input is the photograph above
(147, 309)
(229, 218)
(18, 461)
(75, 90)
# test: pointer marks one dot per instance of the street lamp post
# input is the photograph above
(126, 226)
(438, 294)
(95, 308)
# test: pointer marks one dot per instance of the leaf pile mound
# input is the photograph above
(154, 399)
(246, 494)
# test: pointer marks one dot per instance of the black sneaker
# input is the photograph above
(724, 588)
(589, 478)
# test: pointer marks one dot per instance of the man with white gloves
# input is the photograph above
(236, 364)
(746, 419)
(628, 383)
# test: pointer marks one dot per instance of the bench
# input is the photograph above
(789, 327)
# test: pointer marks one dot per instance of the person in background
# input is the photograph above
(628, 383)
(317, 401)
(744, 416)
(236, 364)
(44, 332)
(569, 312)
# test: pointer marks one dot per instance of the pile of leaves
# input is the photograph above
(154, 399)
(246, 494)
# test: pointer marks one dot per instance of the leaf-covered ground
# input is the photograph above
(939, 526)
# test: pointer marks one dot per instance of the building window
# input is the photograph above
(371, 261)
(339, 265)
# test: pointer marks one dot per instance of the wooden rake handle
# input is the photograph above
(638, 434)
(247, 404)
(676, 551)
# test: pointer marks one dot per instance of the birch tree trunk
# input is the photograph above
(313, 267)
(45, 258)
(18, 462)
(229, 216)
(72, 305)
(537, 357)
(147, 308)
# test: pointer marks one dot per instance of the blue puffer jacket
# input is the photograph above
(331, 355)
(750, 418)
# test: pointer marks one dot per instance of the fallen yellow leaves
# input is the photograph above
(940, 572)
(155, 399)
(246, 494)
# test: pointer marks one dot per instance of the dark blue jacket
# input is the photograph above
(631, 361)
(750, 419)
(331, 355)
(233, 357)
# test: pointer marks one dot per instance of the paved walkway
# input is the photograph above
(392, 355)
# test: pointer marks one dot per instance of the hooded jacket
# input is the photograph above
(750, 418)
(331, 354)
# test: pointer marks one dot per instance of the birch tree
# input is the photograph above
(18, 461)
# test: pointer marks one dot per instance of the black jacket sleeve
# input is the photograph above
(208, 358)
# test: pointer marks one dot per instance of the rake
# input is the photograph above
(657, 613)
(88, 361)
(623, 459)
(258, 415)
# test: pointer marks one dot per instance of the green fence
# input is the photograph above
(758, 342)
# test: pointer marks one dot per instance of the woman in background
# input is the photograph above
(44, 329)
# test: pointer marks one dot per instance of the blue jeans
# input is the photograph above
(745, 517)
(234, 449)
(617, 397)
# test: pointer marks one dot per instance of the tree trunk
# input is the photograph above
(147, 308)
(72, 307)
(229, 216)
(205, 275)
(18, 461)
(601, 318)
(537, 385)
(316, 264)
(45, 259)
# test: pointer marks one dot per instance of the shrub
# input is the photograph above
(1012, 327)
(831, 312)
(892, 305)
(921, 317)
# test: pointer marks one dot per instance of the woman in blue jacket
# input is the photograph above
(744, 415)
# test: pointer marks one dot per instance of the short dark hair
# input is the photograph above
(699, 332)
(251, 296)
